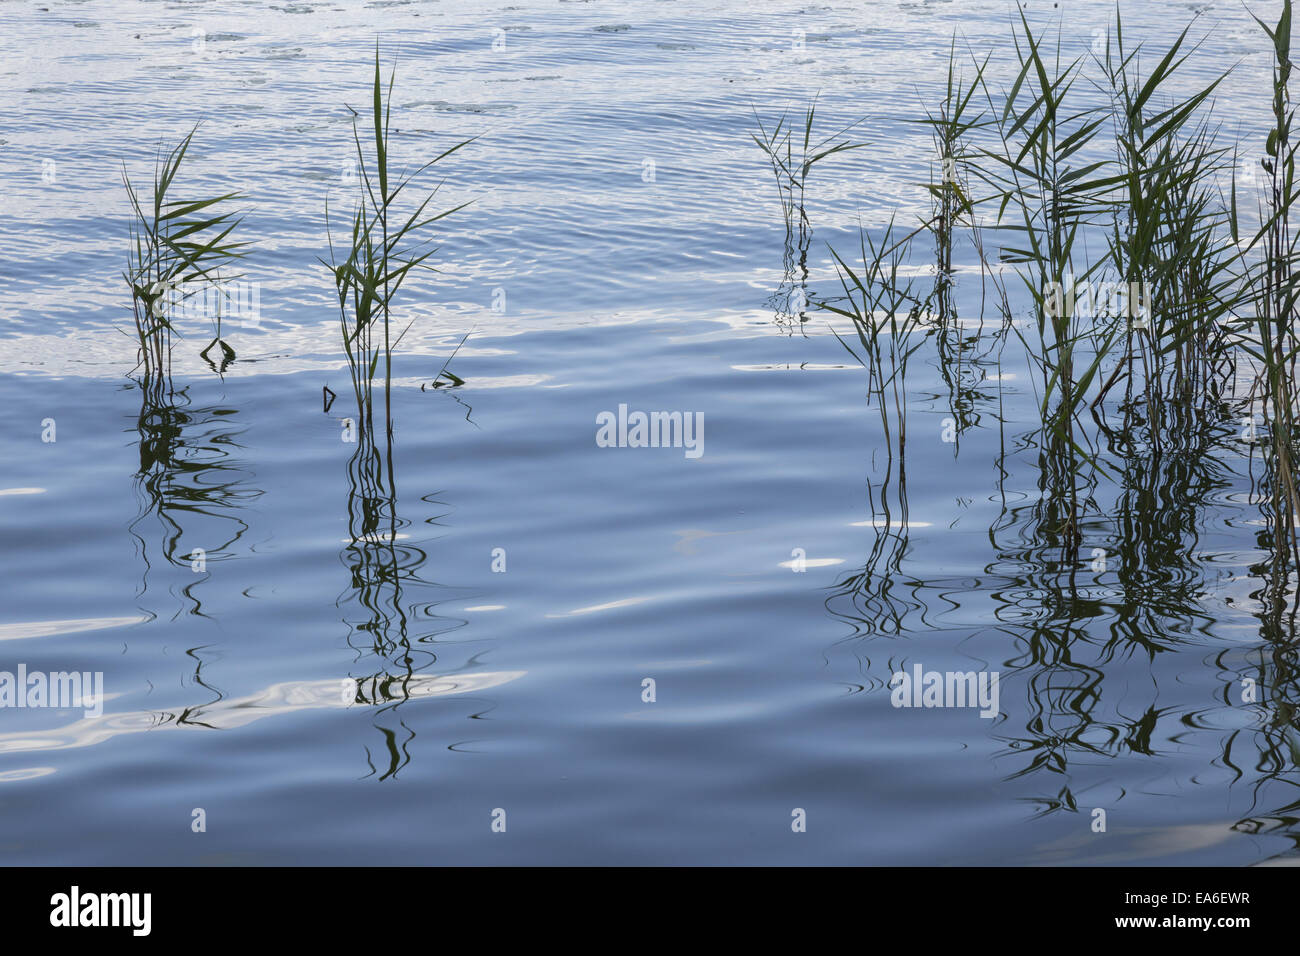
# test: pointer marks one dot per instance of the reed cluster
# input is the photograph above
(1106, 170)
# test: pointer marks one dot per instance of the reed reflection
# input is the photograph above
(878, 599)
(1100, 589)
(1269, 751)
(1266, 680)
(1121, 595)
(191, 488)
(387, 605)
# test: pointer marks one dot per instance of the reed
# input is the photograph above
(1052, 191)
(1141, 174)
(1166, 244)
(174, 243)
(1269, 334)
(891, 319)
(792, 152)
(952, 122)
(951, 125)
(384, 248)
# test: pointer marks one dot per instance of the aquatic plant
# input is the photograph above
(1052, 191)
(792, 168)
(1166, 247)
(951, 125)
(890, 317)
(1269, 334)
(792, 153)
(383, 250)
(1141, 170)
(174, 244)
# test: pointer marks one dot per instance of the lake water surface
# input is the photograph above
(327, 692)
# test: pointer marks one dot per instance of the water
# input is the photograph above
(325, 694)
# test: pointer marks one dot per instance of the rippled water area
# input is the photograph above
(608, 533)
